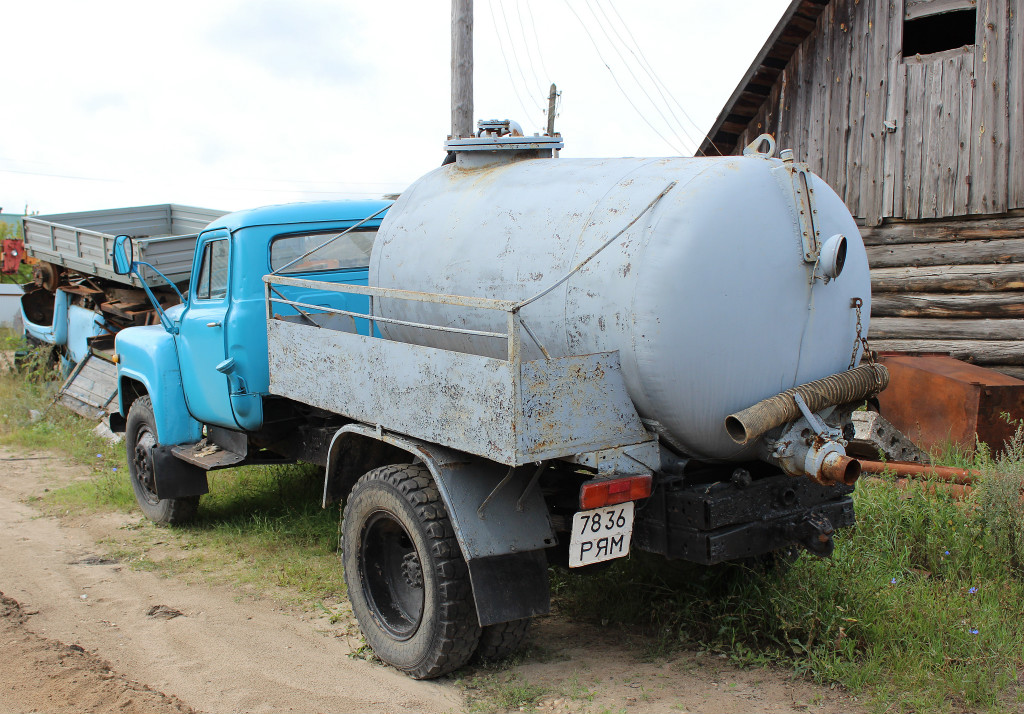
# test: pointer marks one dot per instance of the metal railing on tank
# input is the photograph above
(511, 308)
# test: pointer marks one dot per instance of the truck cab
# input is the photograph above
(203, 372)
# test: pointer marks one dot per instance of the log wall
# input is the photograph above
(954, 287)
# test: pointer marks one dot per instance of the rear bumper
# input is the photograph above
(714, 523)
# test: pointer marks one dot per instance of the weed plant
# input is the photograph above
(920, 607)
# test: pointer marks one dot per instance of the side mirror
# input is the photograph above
(123, 255)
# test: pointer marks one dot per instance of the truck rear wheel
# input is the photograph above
(501, 640)
(140, 440)
(407, 581)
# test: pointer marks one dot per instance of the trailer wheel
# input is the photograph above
(407, 581)
(140, 439)
(501, 640)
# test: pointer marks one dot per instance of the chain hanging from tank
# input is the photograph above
(860, 340)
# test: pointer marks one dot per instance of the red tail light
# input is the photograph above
(607, 492)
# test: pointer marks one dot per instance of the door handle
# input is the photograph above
(213, 324)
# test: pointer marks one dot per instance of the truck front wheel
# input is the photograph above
(140, 440)
(407, 581)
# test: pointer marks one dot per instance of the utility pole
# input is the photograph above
(462, 68)
(552, 96)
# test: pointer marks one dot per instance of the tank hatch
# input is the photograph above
(500, 141)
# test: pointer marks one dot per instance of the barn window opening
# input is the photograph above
(937, 33)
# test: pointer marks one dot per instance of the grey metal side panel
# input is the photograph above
(575, 404)
(165, 236)
(92, 390)
(458, 400)
(172, 256)
(189, 219)
(468, 402)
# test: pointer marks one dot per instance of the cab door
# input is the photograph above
(201, 334)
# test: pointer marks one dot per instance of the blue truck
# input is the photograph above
(523, 361)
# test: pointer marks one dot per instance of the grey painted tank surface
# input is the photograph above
(707, 296)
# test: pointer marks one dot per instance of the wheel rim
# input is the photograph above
(142, 460)
(391, 575)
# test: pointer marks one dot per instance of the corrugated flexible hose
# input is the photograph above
(842, 388)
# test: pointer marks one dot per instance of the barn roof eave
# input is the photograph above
(792, 29)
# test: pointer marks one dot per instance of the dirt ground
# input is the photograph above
(80, 632)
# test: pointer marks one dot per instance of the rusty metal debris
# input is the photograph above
(963, 477)
(873, 435)
(935, 400)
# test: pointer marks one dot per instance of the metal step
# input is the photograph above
(207, 456)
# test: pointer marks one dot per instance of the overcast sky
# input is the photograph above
(233, 104)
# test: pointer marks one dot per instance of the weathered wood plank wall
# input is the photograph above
(928, 152)
(914, 138)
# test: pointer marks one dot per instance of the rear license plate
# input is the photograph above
(601, 534)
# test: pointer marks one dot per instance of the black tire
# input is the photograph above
(140, 439)
(407, 581)
(501, 640)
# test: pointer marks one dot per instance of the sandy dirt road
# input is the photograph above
(79, 632)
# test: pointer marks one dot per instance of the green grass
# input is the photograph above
(920, 609)
(500, 691)
(259, 526)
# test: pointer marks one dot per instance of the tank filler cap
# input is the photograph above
(501, 141)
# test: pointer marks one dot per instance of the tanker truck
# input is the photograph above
(525, 360)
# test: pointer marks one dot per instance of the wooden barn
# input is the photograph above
(912, 111)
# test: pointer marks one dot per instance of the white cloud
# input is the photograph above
(233, 104)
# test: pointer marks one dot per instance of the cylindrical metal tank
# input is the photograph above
(707, 297)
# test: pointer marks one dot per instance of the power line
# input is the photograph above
(526, 46)
(504, 57)
(515, 55)
(219, 187)
(658, 81)
(617, 83)
(629, 69)
(536, 41)
(650, 76)
(62, 176)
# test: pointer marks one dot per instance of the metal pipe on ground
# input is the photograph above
(958, 492)
(906, 469)
(850, 386)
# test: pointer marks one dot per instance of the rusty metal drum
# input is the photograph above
(696, 270)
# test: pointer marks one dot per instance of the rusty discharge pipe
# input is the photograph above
(840, 469)
(843, 388)
(903, 469)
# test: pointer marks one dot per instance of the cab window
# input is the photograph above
(213, 271)
(351, 250)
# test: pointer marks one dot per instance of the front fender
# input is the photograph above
(148, 355)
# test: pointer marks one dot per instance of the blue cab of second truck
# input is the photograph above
(211, 367)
